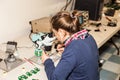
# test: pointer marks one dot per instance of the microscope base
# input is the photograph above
(8, 66)
(36, 60)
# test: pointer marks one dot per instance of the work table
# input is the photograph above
(26, 50)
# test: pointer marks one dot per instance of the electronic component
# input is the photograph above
(109, 12)
(84, 18)
(1, 59)
(40, 25)
(112, 22)
(96, 24)
(97, 30)
(94, 8)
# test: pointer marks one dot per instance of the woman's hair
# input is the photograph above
(68, 21)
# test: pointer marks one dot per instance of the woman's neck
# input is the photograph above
(65, 39)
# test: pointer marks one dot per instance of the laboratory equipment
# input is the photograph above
(42, 41)
(93, 7)
(10, 61)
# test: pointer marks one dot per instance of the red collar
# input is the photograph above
(78, 35)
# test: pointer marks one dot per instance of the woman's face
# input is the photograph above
(58, 34)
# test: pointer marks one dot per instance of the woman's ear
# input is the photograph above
(61, 34)
(61, 31)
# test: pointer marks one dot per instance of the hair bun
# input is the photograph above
(68, 21)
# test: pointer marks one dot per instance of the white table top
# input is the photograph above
(106, 32)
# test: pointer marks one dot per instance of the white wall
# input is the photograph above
(16, 14)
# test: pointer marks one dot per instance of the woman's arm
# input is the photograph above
(63, 69)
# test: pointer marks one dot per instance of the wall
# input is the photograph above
(16, 14)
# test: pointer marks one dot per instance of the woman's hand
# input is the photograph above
(60, 48)
(44, 56)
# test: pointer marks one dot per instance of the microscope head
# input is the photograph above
(42, 40)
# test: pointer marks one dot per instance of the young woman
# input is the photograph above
(79, 60)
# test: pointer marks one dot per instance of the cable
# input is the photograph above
(68, 2)
(72, 5)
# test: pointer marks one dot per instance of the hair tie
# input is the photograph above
(73, 16)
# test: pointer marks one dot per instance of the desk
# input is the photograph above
(27, 50)
(106, 32)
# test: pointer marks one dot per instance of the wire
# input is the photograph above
(29, 61)
(68, 2)
(72, 5)
(26, 46)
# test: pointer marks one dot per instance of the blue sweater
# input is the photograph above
(79, 61)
